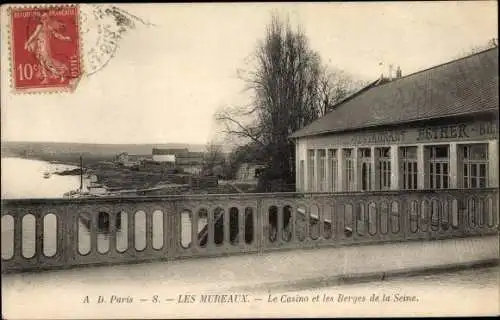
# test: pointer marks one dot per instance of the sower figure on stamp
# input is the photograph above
(39, 44)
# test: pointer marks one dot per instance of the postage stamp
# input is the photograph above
(45, 48)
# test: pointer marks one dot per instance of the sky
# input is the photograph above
(166, 80)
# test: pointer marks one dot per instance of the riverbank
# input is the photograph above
(70, 172)
(117, 177)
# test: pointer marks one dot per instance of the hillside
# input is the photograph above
(106, 150)
(70, 153)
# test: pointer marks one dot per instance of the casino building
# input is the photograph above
(433, 129)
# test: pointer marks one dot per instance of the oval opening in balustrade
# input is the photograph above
(202, 227)
(50, 235)
(157, 229)
(286, 232)
(122, 231)
(454, 213)
(491, 213)
(423, 221)
(273, 223)
(395, 216)
(218, 226)
(186, 228)
(471, 209)
(435, 214)
(7, 237)
(481, 212)
(384, 218)
(103, 232)
(103, 221)
(328, 221)
(348, 223)
(28, 236)
(301, 223)
(249, 226)
(360, 218)
(414, 216)
(372, 218)
(314, 222)
(445, 215)
(234, 226)
(84, 229)
(140, 230)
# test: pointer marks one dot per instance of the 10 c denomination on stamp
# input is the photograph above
(45, 48)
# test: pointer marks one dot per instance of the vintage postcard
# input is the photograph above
(244, 160)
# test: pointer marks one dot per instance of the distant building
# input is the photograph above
(183, 159)
(190, 162)
(128, 160)
(167, 155)
(249, 172)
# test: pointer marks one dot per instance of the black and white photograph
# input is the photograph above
(249, 160)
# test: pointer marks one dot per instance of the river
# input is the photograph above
(23, 178)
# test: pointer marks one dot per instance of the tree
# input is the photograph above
(335, 85)
(289, 89)
(213, 157)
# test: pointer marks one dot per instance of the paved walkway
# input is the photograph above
(62, 293)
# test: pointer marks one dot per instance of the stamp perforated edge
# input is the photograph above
(10, 48)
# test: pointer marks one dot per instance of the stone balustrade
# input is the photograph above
(41, 234)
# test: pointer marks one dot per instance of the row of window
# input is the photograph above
(376, 169)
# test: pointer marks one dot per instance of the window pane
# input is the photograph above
(445, 182)
(482, 170)
(478, 152)
(473, 170)
(465, 170)
(482, 183)
(442, 152)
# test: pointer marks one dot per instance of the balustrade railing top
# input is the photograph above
(209, 197)
(61, 233)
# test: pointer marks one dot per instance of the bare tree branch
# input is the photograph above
(290, 88)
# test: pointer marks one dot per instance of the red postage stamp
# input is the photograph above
(45, 48)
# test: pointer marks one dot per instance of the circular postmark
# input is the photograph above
(102, 28)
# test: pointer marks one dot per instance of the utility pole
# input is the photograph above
(81, 173)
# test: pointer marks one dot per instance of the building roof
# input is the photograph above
(189, 155)
(466, 85)
(157, 151)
